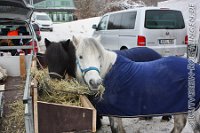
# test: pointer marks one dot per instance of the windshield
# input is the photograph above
(164, 19)
(43, 17)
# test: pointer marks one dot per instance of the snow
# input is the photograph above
(63, 31)
(127, 4)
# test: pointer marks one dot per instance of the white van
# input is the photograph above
(43, 20)
(161, 29)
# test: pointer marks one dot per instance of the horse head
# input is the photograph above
(60, 57)
(90, 56)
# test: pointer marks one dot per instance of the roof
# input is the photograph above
(140, 8)
(52, 5)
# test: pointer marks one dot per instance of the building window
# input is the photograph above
(58, 17)
(63, 15)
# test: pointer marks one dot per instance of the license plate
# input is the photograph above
(166, 41)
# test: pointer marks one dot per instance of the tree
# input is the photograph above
(117, 5)
(93, 8)
(84, 8)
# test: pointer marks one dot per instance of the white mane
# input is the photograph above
(109, 58)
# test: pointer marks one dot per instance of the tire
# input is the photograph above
(123, 48)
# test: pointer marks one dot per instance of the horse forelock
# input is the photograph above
(71, 67)
(62, 58)
(93, 44)
(56, 50)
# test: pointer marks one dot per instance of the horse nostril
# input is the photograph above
(99, 82)
(92, 82)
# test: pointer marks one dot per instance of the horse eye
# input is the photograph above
(80, 57)
(99, 56)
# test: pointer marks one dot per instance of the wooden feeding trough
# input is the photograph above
(59, 118)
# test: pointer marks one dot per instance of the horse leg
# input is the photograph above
(98, 122)
(197, 122)
(179, 123)
(116, 125)
(166, 118)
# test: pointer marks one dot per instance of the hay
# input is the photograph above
(14, 121)
(62, 92)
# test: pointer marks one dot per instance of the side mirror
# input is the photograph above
(94, 26)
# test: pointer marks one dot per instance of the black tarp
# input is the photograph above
(15, 9)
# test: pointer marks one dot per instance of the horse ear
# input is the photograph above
(47, 42)
(75, 41)
(66, 45)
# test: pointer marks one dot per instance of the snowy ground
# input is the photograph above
(64, 31)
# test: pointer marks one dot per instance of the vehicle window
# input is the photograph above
(114, 21)
(164, 19)
(42, 17)
(128, 20)
(103, 23)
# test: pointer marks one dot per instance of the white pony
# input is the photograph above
(93, 64)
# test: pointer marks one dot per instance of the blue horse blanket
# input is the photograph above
(139, 54)
(147, 88)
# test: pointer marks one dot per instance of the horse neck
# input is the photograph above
(71, 60)
(109, 59)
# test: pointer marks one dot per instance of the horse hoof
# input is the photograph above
(166, 118)
(146, 118)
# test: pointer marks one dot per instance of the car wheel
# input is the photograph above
(51, 30)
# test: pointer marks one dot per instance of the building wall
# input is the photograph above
(57, 4)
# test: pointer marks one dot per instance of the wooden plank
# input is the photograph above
(57, 118)
(34, 65)
(2, 88)
(87, 103)
(35, 107)
(22, 66)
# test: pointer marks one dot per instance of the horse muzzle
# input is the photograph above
(94, 84)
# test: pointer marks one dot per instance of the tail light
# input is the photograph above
(141, 41)
(186, 39)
